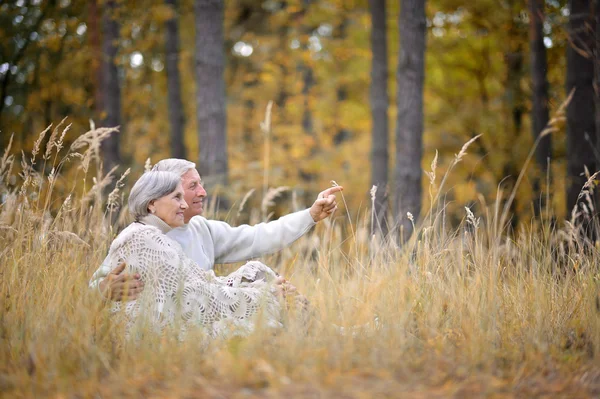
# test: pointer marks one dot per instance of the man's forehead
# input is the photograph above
(191, 176)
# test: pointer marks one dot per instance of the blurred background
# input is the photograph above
(364, 93)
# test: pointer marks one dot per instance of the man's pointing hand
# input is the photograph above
(325, 204)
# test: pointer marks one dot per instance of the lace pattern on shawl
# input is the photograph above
(178, 292)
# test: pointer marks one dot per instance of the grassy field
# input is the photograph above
(462, 311)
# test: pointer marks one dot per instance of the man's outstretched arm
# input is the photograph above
(234, 244)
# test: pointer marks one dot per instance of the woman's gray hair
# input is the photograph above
(149, 187)
(177, 166)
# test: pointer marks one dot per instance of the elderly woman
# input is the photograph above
(177, 292)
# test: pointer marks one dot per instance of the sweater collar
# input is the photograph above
(153, 220)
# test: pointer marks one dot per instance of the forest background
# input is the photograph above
(441, 104)
(180, 81)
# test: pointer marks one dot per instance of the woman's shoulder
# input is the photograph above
(134, 232)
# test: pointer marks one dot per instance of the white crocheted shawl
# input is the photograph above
(179, 293)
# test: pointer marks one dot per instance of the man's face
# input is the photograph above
(194, 194)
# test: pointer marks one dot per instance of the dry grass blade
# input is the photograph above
(68, 236)
(463, 151)
(265, 125)
(269, 199)
(589, 185)
(38, 143)
(98, 187)
(113, 197)
(7, 163)
(93, 138)
(244, 200)
(54, 139)
(431, 174)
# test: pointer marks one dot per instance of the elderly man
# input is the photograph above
(208, 241)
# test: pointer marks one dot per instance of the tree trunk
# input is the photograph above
(539, 112)
(210, 91)
(307, 83)
(597, 86)
(95, 68)
(176, 116)
(111, 97)
(409, 127)
(515, 102)
(581, 127)
(539, 68)
(379, 110)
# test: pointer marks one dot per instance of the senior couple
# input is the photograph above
(159, 269)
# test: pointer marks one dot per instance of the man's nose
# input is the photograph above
(201, 191)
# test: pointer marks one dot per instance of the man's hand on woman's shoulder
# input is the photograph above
(119, 286)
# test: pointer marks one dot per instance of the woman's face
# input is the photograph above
(170, 207)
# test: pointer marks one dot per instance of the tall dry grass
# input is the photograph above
(456, 310)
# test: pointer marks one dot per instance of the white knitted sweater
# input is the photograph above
(178, 293)
(208, 242)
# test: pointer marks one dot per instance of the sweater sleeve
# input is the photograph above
(235, 244)
(100, 274)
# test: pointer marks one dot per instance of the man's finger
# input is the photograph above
(280, 280)
(321, 201)
(119, 269)
(120, 278)
(330, 190)
(330, 201)
(329, 208)
(123, 282)
(128, 278)
(290, 288)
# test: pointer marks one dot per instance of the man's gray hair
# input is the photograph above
(175, 165)
(149, 187)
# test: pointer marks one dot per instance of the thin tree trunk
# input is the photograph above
(341, 133)
(597, 86)
(307, 83)
(515, 99)
(95, 70)
(539, 112)
(539, 67)
(581, 127)
(111, 90)
(210, 90)
(176, 116)
(379, 110)
(409, 127)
